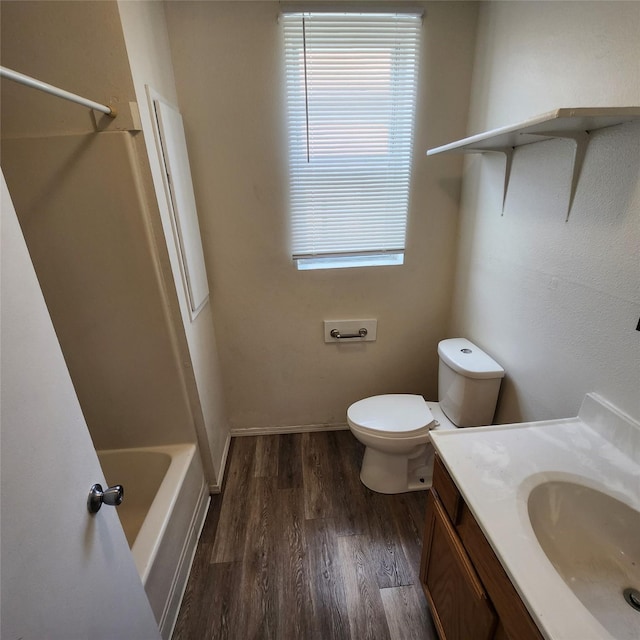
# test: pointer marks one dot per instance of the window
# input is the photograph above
(351, 91)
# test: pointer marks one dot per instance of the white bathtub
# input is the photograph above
(164, 506)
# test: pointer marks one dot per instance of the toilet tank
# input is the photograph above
(468, 383)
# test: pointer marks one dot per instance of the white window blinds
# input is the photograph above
(351, 91)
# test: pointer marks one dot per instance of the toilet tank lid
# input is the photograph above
(468, 359)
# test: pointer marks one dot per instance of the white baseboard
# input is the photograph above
(217, 486)
(179, 585)
(270, 431)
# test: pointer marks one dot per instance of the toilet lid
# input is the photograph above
(395, 414)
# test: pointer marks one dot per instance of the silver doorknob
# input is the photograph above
(97, 497)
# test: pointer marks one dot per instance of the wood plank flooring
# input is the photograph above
(296, 547)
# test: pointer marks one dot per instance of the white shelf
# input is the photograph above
(569, 123)
(541, 127)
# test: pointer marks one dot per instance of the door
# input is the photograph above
(65, 574)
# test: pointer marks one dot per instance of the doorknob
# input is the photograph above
(97, 497)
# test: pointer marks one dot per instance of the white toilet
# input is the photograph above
(395, 428)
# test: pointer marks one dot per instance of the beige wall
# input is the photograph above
(555, 303)
(146, 37)
(277, 370)
(81, 200)
(91, 250)
(74, 45)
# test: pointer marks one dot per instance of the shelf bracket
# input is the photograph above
(508, 160)
(581, 141)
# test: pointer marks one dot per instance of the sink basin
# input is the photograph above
(593, 542)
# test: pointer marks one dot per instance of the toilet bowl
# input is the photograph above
(395, 428)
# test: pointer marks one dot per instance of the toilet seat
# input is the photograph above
(395, 415)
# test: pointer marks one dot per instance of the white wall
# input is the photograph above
(147, 42)
(555, 303)
(277, 370)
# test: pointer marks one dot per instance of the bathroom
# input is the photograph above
(554, 302)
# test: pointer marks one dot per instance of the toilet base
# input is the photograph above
(389, 473)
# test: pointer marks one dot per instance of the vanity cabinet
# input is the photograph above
(469, 593)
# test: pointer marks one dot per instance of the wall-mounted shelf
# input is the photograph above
(568, 123)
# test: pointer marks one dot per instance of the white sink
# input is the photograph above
(559, 501)
(593, 541)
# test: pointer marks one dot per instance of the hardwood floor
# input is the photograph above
(296, 547)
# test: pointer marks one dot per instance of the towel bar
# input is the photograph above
(334, 333)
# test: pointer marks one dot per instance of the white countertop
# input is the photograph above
(495, 469)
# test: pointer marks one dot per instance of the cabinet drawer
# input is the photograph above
(446, 490)
(459, 604)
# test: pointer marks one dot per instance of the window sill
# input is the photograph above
(344, 262)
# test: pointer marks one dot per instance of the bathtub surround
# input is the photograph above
(78, 200)
(91, 249)
(556, 302)
(296, 547)
(95, 225)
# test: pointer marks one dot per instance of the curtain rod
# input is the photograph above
(55, 91)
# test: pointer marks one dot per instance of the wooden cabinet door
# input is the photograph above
(514, 617)
(459, 604)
